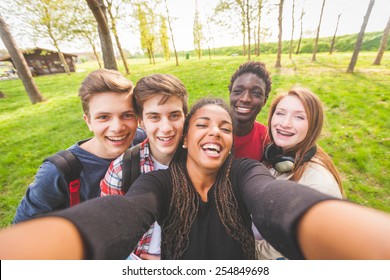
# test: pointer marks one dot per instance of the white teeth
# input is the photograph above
(212, 147)
(112, 138)
(285, 133)
(164, 139)
(243, 110)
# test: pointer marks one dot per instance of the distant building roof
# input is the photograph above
(30, 51)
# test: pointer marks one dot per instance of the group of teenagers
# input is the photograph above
(215, 183)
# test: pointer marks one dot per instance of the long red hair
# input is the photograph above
(315, 116)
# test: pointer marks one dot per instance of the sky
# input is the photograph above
(182, 11)
(352, 14)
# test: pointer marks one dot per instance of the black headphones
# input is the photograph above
(274, 155)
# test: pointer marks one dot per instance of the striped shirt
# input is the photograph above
(111, 184)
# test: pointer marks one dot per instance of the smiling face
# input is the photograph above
(209, 138)
(289, 123)
(113, 121)
(247, 97)
(163, 124)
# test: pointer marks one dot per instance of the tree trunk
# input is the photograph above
(359, 40)
(248, 23)
(334, 36)
(118, 43)
(243, 29)
(318, 33)
(170, 29)
(301, 33)
(383, 44)
(94, 51)
(61, 56)
(280, 19)
(104, 34)
(292, 28)
(20, 63)
(260, 7)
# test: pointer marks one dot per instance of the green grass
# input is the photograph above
(356, 133)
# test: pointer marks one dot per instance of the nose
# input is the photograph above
(165, 125)
(285, 122)
(245, 96)
(117, 125)
(215, 131)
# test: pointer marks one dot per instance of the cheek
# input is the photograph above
(132, 123)
(273, 121)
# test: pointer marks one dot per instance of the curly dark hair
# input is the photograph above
(185, 201)
(255, 67)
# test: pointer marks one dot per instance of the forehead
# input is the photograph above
(153, 104)
(249, 78)
(110, 101)
(291, 102)
(213, 113)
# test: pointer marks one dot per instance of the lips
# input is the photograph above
(284, 133)
(116, 138)
(243, 110)
(165, 139)
(212, 148)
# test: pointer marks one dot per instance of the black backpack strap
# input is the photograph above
(70, 167)
(130, 167)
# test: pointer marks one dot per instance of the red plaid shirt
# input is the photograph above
(111, 184)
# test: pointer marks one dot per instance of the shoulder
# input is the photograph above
(244, 168)
(158, 182)
(159, 177)
(318, 177)
(259, 127)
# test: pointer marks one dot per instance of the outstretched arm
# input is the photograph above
(340, 230)
(300, 222)
(329, 230)
(41, 239)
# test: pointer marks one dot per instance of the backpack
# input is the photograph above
(70, 168)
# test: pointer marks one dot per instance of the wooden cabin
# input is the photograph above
(44, 61)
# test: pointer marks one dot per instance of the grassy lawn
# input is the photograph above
(356, 134)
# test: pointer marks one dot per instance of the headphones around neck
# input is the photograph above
(274, 155)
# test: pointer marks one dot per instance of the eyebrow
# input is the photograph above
(109, 113)
(209, 119)
(158, 113)
(295, 111)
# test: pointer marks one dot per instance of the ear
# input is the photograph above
(141, 123)
(87, 121)
(185, 142)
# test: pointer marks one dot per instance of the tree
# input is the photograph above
(360, 37)
(301, 32)
(170, 29)
(164, 38)
(257, 40)
(146, 17)
(383, 45)
(318, 33)
(292, 28)
(104, 34)
(20, 63)
(52, 19)
(334, 35)
(87, 29)
(113, 15)
(238, 7)
(280, 19)
(248, 25)
(197, 31)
